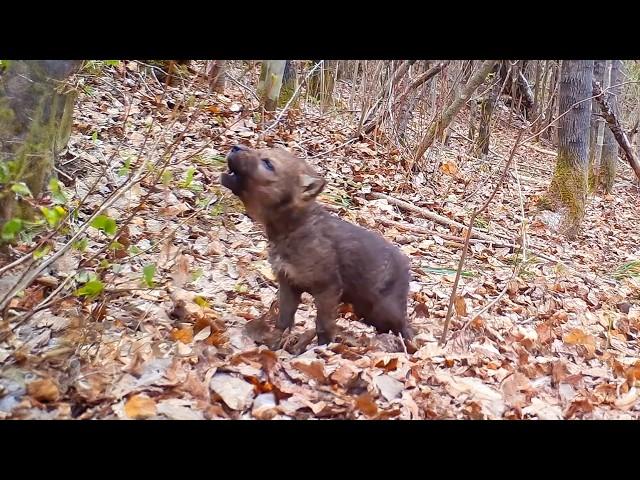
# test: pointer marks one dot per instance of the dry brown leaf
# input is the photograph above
(628, 400)
(578, 337)
(367, 405)
(461, 306)
(184, 334)
(180, 273)
(44, 390)
(312, 369)
(140, 407)
(345, 374)
(178, 409)
(449, 167)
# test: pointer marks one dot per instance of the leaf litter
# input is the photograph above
(189, 299)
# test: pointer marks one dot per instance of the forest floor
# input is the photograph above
(548, 331)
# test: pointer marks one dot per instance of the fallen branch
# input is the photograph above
(616, 129)
(426, 231)
(433, 216)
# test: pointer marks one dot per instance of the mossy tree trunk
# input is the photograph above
(610, 147)
(596, 129)
(36, 116)
(289, 82)
(271, 82)
(568, 189)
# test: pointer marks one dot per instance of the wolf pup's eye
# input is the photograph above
(267, 164)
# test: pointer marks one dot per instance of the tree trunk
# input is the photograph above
(439, 126)
(596, 126)
(270, 82)
(486, 112)
(36, 116)
(321, 83)
(610, 147)
(539, 121)
(522, 98)
(616, 129)
(289, 82)
(216, 70)
(536, 93)
(553, 95)
(568, 189)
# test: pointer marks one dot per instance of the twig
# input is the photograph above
(468, 237)
(322, 154)
(16, 262)
(426, 231)
(421, 79)
(242, 85)
(486, 307)
(516, 271)
(433, 216)
(42, 305)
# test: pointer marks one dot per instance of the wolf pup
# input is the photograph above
(314, 251)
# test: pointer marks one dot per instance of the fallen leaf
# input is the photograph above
(461, 306)
(578, 337)
(184, 334)
(177, 409)
(140, 407)
(367, 405)
(389, 387)
(313, 369)
(628, 400)
(235, 392)
(44, 390)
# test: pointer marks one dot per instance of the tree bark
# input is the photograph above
(521, 93)
(486, 112)
(270, 82)
(553, 90)
(539, 120)
(36, 116)
(616, 129)
(438, 127)
(216, 70)
(321, 83)
(610, 148)
(568, 189)
(289, 82)
(596, 126)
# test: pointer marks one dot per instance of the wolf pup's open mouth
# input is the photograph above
(232, 179)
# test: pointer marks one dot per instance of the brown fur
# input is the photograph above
(313, 251)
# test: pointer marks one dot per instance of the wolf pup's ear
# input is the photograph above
(311, 186)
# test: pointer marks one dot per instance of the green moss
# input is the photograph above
(568, 190)
(286, 92)
(29, 156)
